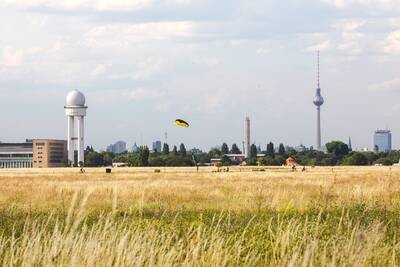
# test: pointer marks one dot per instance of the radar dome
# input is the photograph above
(75, 99)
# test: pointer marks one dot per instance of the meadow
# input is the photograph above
(341, 216)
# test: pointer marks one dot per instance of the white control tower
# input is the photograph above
(75, 110)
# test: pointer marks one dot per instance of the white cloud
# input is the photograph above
(325, 45)
(12, 57)
(392, 44)
(393, 84)
(73, 5)
(263, 50)
(372, 4)
(348, 24)
(140, 94)
(121, 36)
(99, 70)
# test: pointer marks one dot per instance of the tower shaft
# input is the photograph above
(319, 128)
(71, 143)
(247, 138)
(81, 145)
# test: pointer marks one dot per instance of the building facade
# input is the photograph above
(37, 153)
(16, 155)
(157, 146)
(50, 153)
(383, 141)
(117, 148)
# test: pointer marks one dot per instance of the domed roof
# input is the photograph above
(75, 99)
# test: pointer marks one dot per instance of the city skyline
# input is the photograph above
(208, 63)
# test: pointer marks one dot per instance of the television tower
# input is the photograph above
(318, 101)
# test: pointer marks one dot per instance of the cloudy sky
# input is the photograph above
(144, 63)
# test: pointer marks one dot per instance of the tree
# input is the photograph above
(108, 158)
(226, 161)
(338, 148)
(281, 149)
(225, 149)
(89, 149)
(165, 150)
(94, 159)
(175, 151)
(215, 153)
(182, 150)
(133, 159)
(235, 149)
(253, 151)
(356, 159)
(144, 156)
(270, 150)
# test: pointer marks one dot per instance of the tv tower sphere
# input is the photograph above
(75, 109)
(318, 99)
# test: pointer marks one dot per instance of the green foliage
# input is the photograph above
(94, 159)
(235, 149)
(144, 156)
(215, 153)
(175, 151)
(338, 148)
(108, 158)
(224, 149)
(251, 161)
(281, 149)
(253, 151)
(273, 161)
(356, 159)
(182, 150)
(270, 150)
(165, 150)
(225, 161)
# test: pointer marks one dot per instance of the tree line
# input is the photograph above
(337, 153)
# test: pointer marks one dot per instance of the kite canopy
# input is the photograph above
(182, 123)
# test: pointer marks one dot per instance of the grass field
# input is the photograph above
(347, 216)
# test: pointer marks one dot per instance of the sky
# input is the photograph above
(144, 63)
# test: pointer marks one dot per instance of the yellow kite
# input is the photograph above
(182, 123)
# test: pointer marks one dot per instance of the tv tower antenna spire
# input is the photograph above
(318, 74)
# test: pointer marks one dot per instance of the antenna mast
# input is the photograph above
(318, 67)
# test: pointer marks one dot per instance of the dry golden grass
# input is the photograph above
(134, 216)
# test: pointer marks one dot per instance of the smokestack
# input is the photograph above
(247, 138)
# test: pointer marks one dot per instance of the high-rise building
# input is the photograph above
(117, 148)
(350, 145)
(75, 110)
(157, 146)
(383, 141)
(318, 101)
(246, 143)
